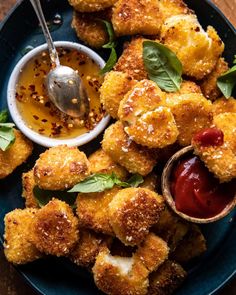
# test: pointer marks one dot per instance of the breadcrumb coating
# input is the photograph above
(115, 86)
(55, 229)
(91, 5)
(16, 155)
(121, 148)
(17, 247)
(221, 160)
(224, 105)
(132, 212)
(166, 279)
(60, 168)
(192, 112)
(208, 86)
(28, 185)
(170, 8)
(197, 50)
(92, 210)
(186, 87)
(101, 162)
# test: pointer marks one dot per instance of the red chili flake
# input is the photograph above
(22, 87)
(41, 130)
(81, 63)
(31, 87)
(44, 120)
(90, 83)
(19, 97)
(35, 117)
(47, 104)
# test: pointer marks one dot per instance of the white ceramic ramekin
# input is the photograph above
(16, 116)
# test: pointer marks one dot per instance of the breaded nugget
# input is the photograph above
(169, 8)
(220, 159)
(193, 245)
(55, 229)
(91, 5)
(92, 210)
(115, 86)
(87, 248)
(132, 212)
(131, 60)
(17, 247)
(135, 158)
(28, 185)
(60, 168)
(15, 155)
(192, 112)
(136, 17)
(187, 87)
(101, 162)
(150, 182)
(224, 105)
(197, 50)
(209, 87)
(166, 279)
(90, 29)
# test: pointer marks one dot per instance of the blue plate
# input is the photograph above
(58, 276)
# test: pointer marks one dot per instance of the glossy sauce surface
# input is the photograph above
(39, 112)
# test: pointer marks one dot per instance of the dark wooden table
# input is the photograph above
(11, 283)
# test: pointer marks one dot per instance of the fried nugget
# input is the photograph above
(17, 247)
(220, 159)
(55, 229)
(28, 185)
(91, 5)
(166, 279)
(132, 212)
(60, 168)
(16, 155)
(89, 27)
(117, 144)
(150, 182)
(192, 112)
(193, 245)
(101, 162)
(197, 50)
(92, 210)
(136, 17)
(224, 105)
(170, 8)
(208, 86)
(115, 86)
(131, 60)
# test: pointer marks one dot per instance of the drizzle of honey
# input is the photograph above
(38, 111)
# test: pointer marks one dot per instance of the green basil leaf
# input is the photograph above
(135, 180)
(162, 65)
(7, 137)
(45, 196)
(110, 63)
(110, 32)
(234, 62)
(227, 81)
(3, 116)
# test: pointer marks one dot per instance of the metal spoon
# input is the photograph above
(64, 86)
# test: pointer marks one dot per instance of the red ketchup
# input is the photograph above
(197, 192)
(209, 137)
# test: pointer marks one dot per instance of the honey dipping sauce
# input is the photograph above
(39, 112)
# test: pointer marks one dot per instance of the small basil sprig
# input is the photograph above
(100, 182)
(110, 45)
(7, 136)
(227, 81)
(162, 65)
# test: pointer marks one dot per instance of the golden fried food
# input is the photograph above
(100, 162)
(91, 5)
(192, 112)
(224, 105)
(131, 60)
(115, 86)
(169, 8)
(187, 87)
(150, 182)
(192, 245)
(221, 159)
(17, 247)
(136, 17)
(117, 144)
(92, 210)
(28, 185)
(166, 279)
(60, 168)
(197, 50)
(208, 85)
(132, 212)
(54, 230)
(90, 29)
(16, 155)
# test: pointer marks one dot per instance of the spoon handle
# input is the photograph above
(52, 49)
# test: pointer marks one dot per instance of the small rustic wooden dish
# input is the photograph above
(165, 183)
